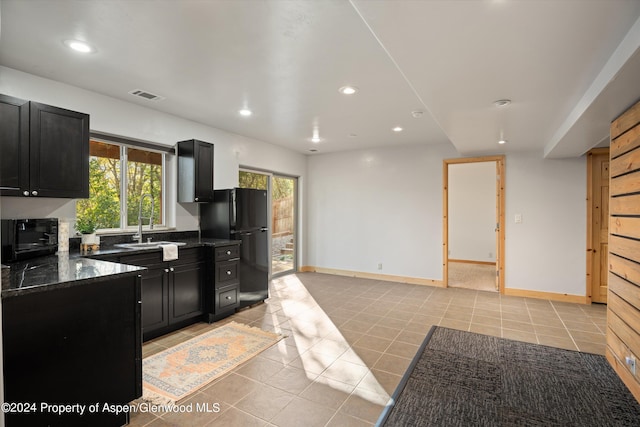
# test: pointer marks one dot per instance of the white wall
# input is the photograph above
(385, 205)
(547, 251)
(377, 206)
(125, 119)
(472, 211)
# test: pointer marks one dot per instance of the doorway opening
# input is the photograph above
(473, 223)
(282, 191)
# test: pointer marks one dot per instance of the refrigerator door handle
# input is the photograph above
(263, 229)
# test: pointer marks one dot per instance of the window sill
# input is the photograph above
(116, 232)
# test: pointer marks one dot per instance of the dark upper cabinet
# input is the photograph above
(195, 171)
(14, 145)
(59, 152)
(45, 150)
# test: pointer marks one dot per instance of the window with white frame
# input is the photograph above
(119, 177)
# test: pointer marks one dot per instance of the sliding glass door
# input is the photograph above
(283, 225)
(283, 216)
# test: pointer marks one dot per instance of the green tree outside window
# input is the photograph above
(143, 176)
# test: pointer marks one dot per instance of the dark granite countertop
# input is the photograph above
(75, 268)
(190, 243)
(58, 271)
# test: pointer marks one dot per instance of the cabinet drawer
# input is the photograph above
(147, 259)
(227, 298)
(189, 255)
(226, 271)
(227, 252)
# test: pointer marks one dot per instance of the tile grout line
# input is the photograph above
(535, 333)
(473, 311)
(564, 325)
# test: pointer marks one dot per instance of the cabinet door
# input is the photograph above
(76, 345)
(59, 152)
(14, 146)
(155, 300)
(195, 171)
(204, 172)
(186, 287)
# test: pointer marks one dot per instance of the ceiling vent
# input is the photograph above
(146, 95)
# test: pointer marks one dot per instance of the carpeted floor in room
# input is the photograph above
(479, 277)
(460, 378)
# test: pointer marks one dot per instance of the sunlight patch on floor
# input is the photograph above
(327, 357)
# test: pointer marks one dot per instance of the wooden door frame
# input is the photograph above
(500, 215)
(590, 219)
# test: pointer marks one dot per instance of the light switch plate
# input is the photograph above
(518, 218)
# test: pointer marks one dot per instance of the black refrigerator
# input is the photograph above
(242, 214)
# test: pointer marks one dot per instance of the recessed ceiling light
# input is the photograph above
(315, 139)
(313, 150)
(348, 90)
(417, 114)
(397, 129)
(245, 112)
(502, 141)
(502, 102)
(79, 46)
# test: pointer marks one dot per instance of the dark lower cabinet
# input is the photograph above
(185, 288)
(172, 292)
(155, 300)
(223, 297)
(77, 346)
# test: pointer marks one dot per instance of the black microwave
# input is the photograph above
(28, 238)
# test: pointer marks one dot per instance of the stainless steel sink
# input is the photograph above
(147, 245)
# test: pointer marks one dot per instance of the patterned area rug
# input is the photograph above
(175, 373)
(464, 379)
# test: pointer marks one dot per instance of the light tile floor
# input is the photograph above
(349, 341)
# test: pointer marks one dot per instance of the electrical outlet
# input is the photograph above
(379, 266)
(631, 363)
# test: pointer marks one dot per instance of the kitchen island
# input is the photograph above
(71, 339)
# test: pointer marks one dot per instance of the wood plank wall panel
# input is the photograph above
(625, 226)
(623, 309)
(625, 143)
(628, 120)
(625, 184)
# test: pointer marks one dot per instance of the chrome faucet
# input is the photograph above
(140, 218)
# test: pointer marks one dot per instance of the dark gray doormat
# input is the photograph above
(465, 379)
